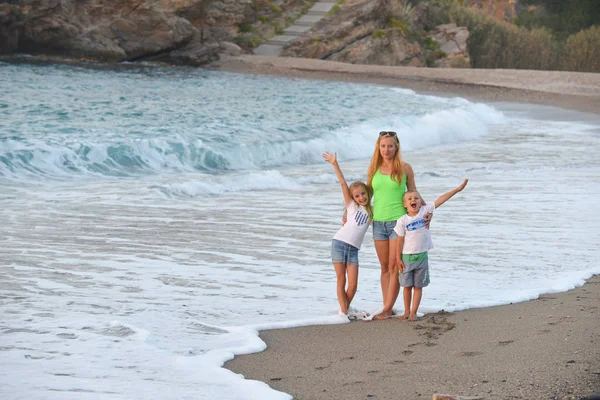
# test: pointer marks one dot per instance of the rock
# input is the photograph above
(125, 30)
(231, 49)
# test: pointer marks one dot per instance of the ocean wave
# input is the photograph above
(65, 156)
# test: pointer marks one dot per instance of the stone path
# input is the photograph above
(273, 46)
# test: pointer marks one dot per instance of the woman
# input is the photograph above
(389, 178)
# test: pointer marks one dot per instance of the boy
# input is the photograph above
(414, 240)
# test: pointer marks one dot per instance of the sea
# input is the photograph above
(154, 219)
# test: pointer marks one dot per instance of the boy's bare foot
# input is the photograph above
(382, 315)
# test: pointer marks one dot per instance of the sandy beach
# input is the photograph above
(571, 90)
(547, 348)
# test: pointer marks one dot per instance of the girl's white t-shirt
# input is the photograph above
(357, 223)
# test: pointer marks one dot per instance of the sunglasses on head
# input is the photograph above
(388, 133)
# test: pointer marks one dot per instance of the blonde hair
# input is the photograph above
(368, 207)
(377, 160)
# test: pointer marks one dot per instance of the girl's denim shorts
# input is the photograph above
(343, 253)
(384, 230)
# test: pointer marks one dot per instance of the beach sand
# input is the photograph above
(572, 90)
(547, 348)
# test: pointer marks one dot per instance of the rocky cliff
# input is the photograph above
(120, 30)
(384, 32)
(197, 32)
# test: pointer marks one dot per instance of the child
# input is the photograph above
(347, 241)
(414, 240)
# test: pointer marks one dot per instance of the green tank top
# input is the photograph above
(387, 197)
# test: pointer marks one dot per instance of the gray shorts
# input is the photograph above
(415, 273)
(384, 230)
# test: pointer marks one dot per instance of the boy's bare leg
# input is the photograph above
(340, 273)
(352, 283)
(407, 299)
(418, 293)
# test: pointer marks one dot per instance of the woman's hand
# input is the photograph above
(428, 218)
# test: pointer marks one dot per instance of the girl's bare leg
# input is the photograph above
(407, 293)
(415, 304)
(340, 273)
(352, 283)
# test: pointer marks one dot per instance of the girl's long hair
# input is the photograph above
(377, 160)
(367, 189)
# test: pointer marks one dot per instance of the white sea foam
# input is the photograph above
(142, 285)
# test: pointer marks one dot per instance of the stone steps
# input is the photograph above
(274, 45)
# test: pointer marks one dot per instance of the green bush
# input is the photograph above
(582, 51)
(459, 62)
(378, 34)
(246, 28)
(497, 44)
(430, 44)
(399, 25)
(334, 10)
(247, 42)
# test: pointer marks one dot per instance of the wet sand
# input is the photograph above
(547, 348)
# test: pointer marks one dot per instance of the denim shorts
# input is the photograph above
(343, 253)
(384, 230)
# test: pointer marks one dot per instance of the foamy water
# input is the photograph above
(153, 220)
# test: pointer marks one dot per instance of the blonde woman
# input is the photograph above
(389, 178)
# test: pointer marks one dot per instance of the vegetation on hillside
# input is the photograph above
(562, 17)
(549, 35)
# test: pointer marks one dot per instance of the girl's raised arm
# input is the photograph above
(332, 159)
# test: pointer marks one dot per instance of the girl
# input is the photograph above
(347, 241)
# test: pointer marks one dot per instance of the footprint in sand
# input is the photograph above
(396, 362)
(470, 353)
(506, 342)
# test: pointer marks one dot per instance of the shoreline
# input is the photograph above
(570, 90)
(547, 348)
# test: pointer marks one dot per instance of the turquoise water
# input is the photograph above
(154, 218)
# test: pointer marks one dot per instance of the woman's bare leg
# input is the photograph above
(393, 284)
(382, 248)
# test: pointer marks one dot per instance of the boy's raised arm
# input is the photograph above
(446, 196)
(332, 159)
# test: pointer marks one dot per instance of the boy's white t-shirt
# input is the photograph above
(417, 238)
(357, 223)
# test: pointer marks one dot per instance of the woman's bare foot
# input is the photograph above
(404, 316)
(412, 317)
(382, 315)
